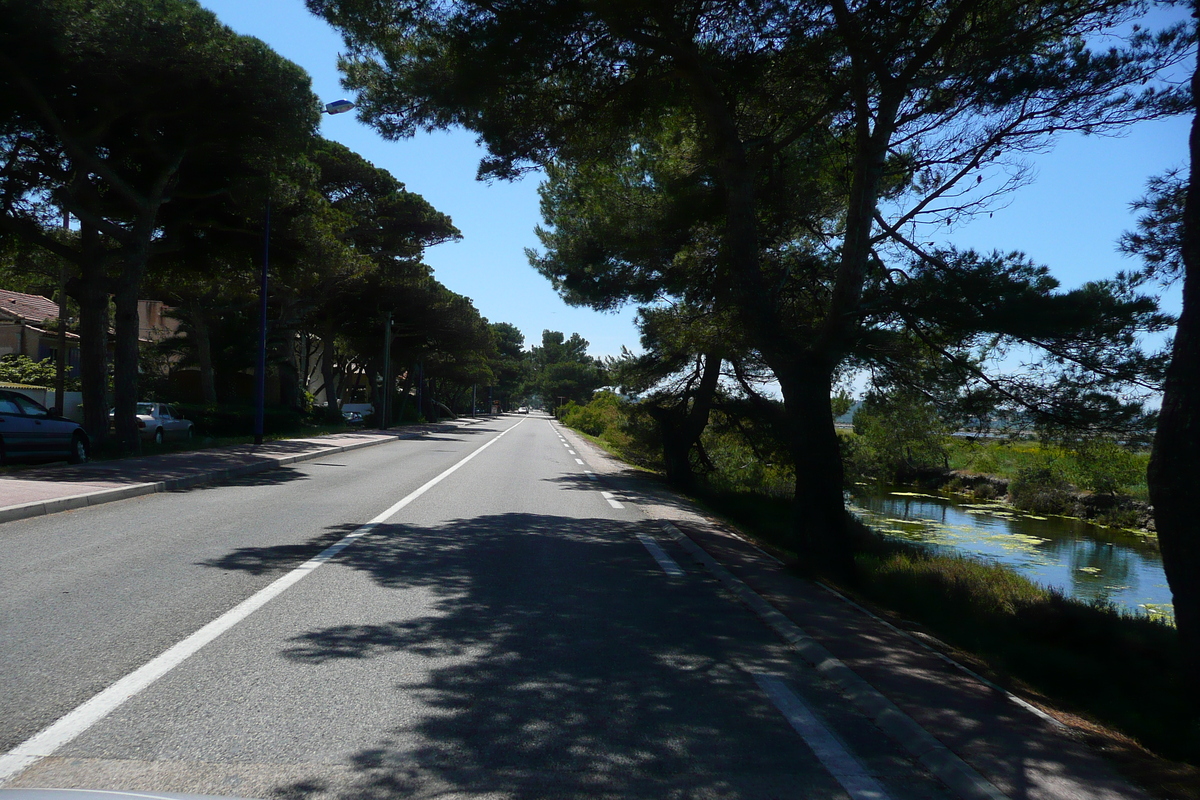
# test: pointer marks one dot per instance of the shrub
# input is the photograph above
(594, 419)
(1042, 490)
(900, 435)
(1106, 467)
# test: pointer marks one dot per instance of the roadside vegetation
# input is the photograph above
(1110, 671)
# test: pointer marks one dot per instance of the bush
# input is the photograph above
(1043, 490)
(22, 369)
(1106, 467)
(594, 419)
(900, 436)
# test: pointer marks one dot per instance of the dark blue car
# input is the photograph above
(28, 432)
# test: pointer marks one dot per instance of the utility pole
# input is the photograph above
(385, 390)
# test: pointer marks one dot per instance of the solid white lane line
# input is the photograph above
(841, 763)
(73, 723)
(612, 501)
(579, 461)
(665, 561)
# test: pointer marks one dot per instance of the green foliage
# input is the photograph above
(23, 369)
(561, 369)
(897, 436)
(743, 455)
(620, 426)
(597, 417)
(1105, 467)
(1098, 465)
(1042, 489)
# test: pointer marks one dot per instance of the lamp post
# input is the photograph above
(260, 370)
(385, 390)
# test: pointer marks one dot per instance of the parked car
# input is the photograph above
(29, 432)
(352, 417)
(158, 422)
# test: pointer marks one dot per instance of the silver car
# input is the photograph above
(158, 422)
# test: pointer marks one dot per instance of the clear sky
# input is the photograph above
(1068, 219)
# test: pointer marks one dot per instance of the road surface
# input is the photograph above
(499, 624)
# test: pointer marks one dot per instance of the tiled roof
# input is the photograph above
(29, 307)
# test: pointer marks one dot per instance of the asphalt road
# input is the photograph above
(501, 625)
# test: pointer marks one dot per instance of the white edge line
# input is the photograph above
(612, 501)
(668, 564)
(75, 722)
(829, 750)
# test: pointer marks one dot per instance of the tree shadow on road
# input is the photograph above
(276, 558)
(558, 661)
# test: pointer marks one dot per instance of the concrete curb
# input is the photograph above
(920, 744)
(41, 508)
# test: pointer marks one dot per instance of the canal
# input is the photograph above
(1084, 561)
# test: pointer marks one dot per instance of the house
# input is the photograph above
(27, 327)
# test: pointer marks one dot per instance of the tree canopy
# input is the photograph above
(142, 119)
(825, 132)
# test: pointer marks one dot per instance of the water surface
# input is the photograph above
(1084, 561)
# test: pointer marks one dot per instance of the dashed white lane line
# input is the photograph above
(665, 561)
(612, 501)
(73, 723)
(590, 474)
(579, 461)
(841, 763)
(572, 452)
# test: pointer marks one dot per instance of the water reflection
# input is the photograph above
(1085, 561)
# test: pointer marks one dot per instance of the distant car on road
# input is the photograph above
(28, 432)
(158, 422)
(523, 410)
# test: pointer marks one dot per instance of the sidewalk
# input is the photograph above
(50, 489)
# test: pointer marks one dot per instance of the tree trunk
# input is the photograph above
(329, 374)
(819, 520)
(1174, 474)
(90, 290)
(201, 336)
(125, 365)
(682, 426)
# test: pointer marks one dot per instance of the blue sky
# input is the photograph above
(1068, 219)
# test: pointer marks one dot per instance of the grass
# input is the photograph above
(1008, 459)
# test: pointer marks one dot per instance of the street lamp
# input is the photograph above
(337, 107)
(260, 372)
